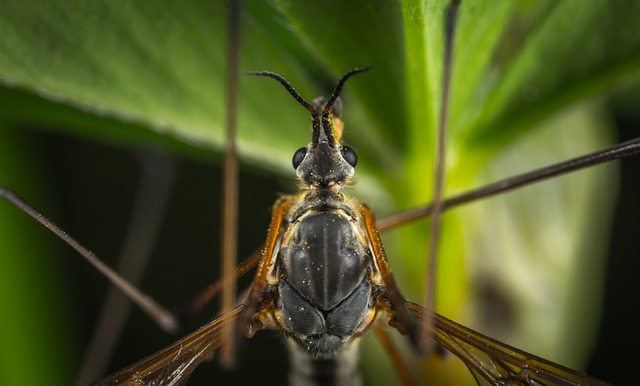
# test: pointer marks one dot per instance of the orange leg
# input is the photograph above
(207, 295)
(257, 301)
(394, 355)
(391, 298)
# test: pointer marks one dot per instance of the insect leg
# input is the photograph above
(208, 294)
(158, 313)
(623, 150)
(394, 355)
(229, 245)
(391, 299)
(256, 302)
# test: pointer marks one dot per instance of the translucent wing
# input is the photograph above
(173, 365)
(495, 363)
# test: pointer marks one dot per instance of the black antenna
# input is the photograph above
(336, 92)
(315, 125)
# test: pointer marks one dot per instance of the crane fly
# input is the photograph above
(324, 304)
(323, 279)
(189, 351)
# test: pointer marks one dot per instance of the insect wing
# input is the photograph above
(173, 365)
(495, 363)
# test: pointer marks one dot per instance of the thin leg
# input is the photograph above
(428, 297)
(391, 299)
(229, 237)
(394, 355)
(158, 313)
(623, 150)
(256, 292)
(207, 295)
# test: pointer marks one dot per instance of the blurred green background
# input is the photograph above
(90, 87)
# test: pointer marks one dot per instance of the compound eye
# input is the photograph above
(298, 156)
(349, 155)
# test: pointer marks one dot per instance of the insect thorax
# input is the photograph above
(325, 291)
